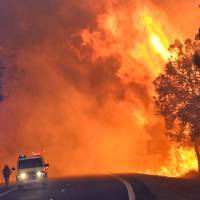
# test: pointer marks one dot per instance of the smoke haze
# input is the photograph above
(73, 90)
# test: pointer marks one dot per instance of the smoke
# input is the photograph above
(73, 90)
(177, 12)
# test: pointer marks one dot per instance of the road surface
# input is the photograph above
(118, 187)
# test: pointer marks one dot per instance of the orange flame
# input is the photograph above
(181, 161)
(159, 47)
(140, 42)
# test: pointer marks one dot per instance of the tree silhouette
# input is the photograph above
(2, 70)
(177, 96)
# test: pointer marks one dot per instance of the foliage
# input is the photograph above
(178, 92)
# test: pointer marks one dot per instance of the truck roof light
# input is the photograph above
(22, 156)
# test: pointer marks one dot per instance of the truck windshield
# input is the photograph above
(30, 163)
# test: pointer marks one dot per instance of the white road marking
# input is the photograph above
(62, 190)
(131, 194)
(8, 191)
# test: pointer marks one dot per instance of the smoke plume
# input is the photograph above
(78, 80)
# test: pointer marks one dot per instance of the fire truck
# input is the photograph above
(31, 170)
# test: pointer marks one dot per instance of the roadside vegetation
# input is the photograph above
(177, 97)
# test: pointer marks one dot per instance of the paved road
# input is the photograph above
(84, 188)
(119, 187)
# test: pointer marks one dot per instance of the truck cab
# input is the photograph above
(31, 170)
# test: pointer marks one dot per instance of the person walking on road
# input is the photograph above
(6, 174)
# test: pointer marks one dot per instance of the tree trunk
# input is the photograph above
(197, 150)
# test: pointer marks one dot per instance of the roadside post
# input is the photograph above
(153, 149)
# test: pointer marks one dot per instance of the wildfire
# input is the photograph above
(159, 47)
(155, 43)
(140, 41)
(94, 100)
(181, 161)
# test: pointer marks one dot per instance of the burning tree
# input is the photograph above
(177, 96)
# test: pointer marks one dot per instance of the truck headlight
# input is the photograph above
(23, 175)
(39, 174)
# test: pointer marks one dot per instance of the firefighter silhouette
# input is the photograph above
(6, 174)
